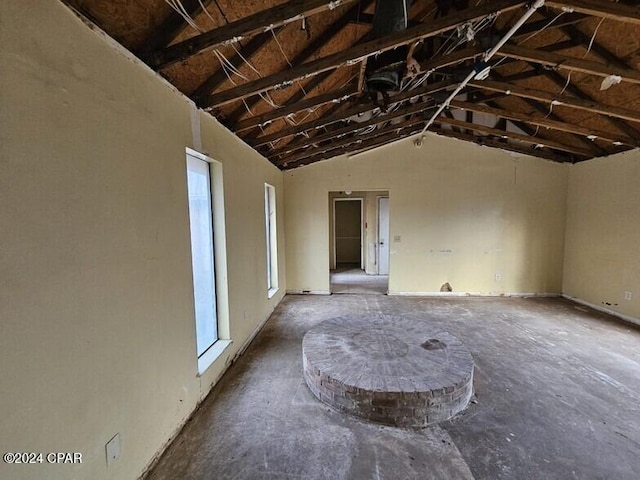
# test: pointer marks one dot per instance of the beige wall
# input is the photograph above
(602, 252)
(96, 305)
(463, 213)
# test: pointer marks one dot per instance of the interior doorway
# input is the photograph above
(347, 232)
(356, 242)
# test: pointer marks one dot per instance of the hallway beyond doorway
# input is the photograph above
(350, 278)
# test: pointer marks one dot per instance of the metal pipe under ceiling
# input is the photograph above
(482, 67)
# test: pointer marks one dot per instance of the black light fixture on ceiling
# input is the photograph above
(382, 74)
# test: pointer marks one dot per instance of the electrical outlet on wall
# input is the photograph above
(498, 277)
(113, 449)
(627, 295)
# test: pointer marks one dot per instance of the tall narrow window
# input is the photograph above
(272, 239)
(202, 258)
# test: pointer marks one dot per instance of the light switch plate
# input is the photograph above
(113, 449)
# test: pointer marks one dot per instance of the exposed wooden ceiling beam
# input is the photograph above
(575, 33)
(559, 100)
(599, 8)
(452, 58)
(336, 96)
(547, 123)
(361, 75)
(448, 115)
(311, 49)
(330, 97)
(357, 52)
(559, 46)
(359, 144)
(566, 84)
(235, 31)
(502, 145)
(544, 110)
(297, 96)
(517, 136)
(216, 79)
(348, 140)
(569, 63)
(367, 19)
(358, 109)
(377, 141)
(469, 115)
(524, 75)
(534, 27)
(350, 128)
(609, 57)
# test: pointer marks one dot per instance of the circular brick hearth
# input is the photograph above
(389, 370)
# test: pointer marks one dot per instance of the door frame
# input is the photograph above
(378, 197)
(343, 199)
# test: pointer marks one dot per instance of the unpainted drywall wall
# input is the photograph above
(459, 213)
(97, 328)
(602, 250)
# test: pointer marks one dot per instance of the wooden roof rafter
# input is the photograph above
(352, 127)
(363, 143)
(543, 96)
(598, 8)
(355, 110)
(309, 51)
(506, 134)
(338, 96)
(564, 62)
(558, 116)
(356, 53)
(547, 123)
(488, 142)
(246, 53)
(559, 100)
(345, 140)
(578, 92)
(294, 107)
(245, 27)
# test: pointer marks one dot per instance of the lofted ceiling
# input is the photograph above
(307, 80)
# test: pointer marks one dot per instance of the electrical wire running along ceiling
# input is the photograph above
(306, 80)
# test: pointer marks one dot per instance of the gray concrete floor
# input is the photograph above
(350, 278)
(557, 397)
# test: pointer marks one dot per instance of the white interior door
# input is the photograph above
(383, 236)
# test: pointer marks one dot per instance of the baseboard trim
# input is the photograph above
(621, 316)
(308, 292)
(154, 460)
(473, 294)
(253, 335)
